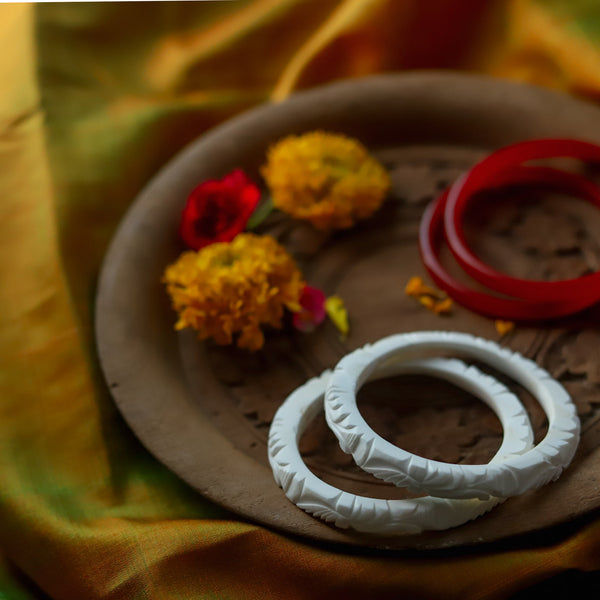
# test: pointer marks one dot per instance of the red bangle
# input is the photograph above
(431, 236)
(585, 288)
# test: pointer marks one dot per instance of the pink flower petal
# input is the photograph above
(313, 312)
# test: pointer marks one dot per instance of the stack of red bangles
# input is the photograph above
(523, 299)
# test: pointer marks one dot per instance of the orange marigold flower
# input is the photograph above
(231, 289)
(327, 179)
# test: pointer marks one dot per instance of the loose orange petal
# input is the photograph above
(427, 302)
(434, 300)
(443, 307)
(503, 327)
(417, 287)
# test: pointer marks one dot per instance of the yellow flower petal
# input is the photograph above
(336, 311)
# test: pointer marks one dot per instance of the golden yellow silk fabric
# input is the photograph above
(95, 98)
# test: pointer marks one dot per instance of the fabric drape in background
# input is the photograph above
(95, 98)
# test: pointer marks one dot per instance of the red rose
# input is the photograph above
(217, 210)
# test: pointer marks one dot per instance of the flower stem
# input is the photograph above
(262, 211)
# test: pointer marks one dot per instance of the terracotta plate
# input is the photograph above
(205, 411)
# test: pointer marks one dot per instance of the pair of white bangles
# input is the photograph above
(457, 492)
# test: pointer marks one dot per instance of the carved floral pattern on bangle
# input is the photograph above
(514, 476)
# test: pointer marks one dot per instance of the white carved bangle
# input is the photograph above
(514, 476)
(380, 516)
